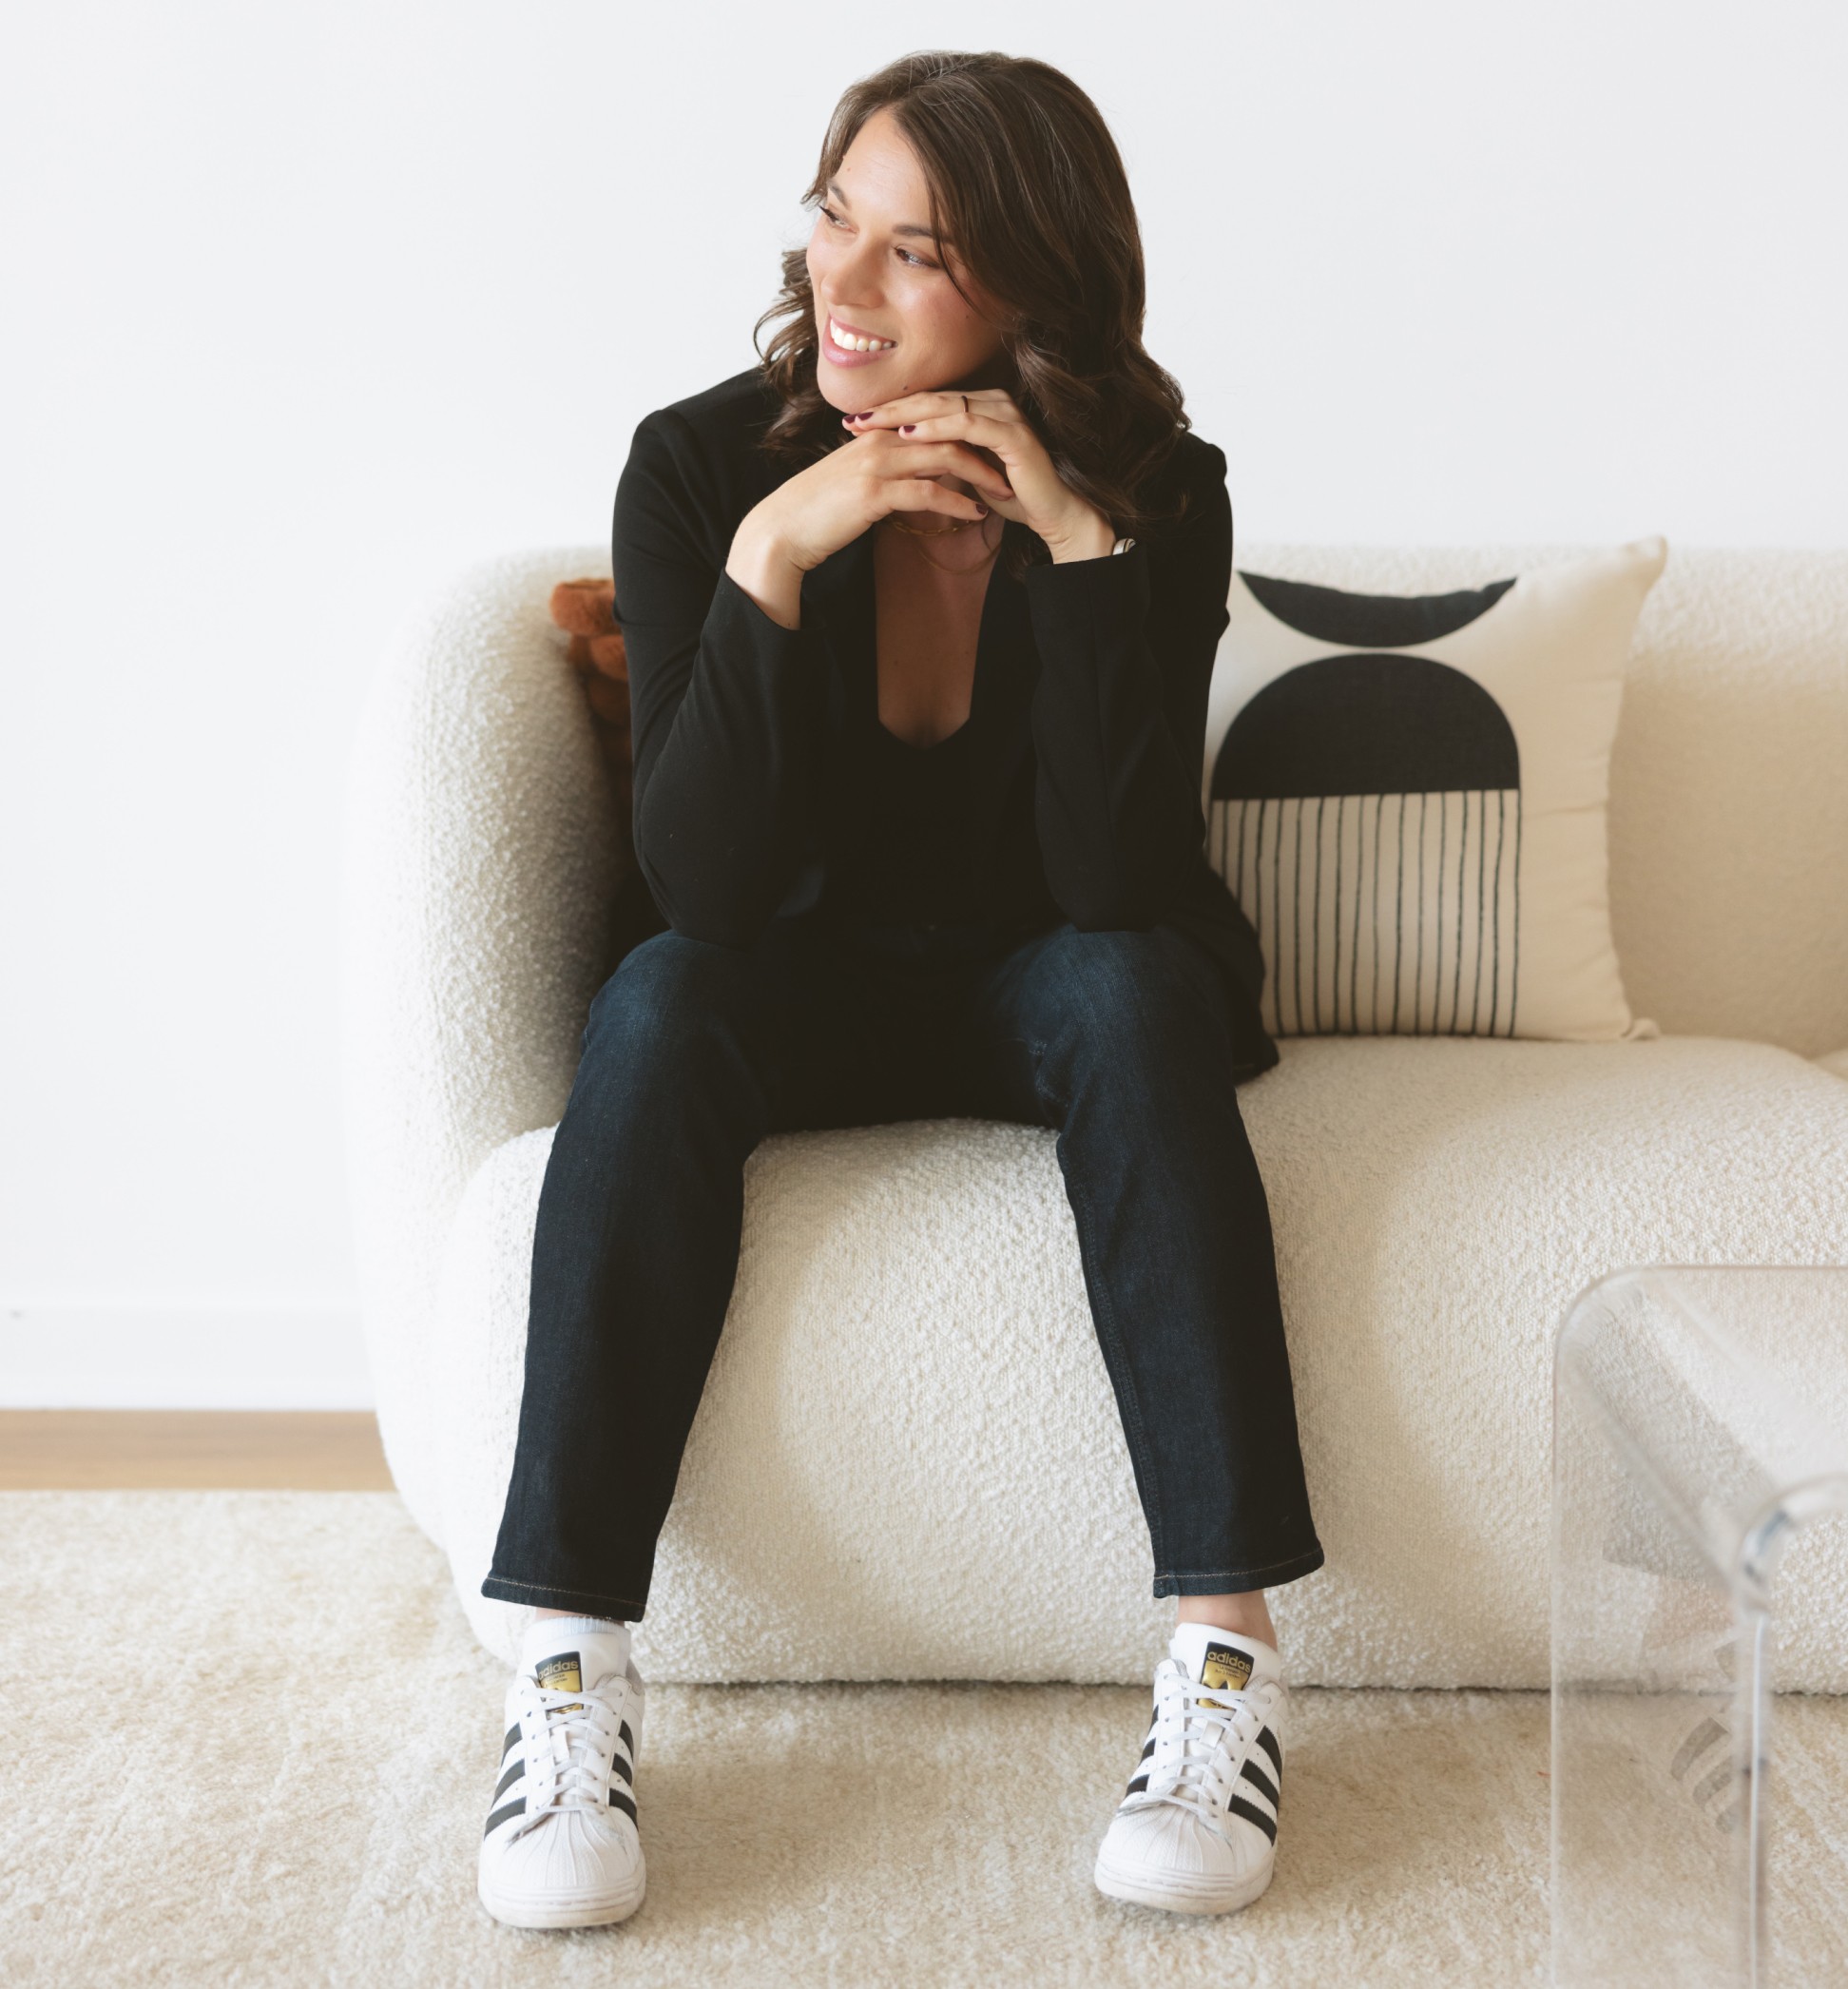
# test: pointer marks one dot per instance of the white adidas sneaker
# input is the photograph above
(1196, 1831)
(562, 1847)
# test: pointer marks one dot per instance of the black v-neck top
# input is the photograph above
(914, 861)
(765, 784)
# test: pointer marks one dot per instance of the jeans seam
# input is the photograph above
(557, 1588)
(1288, 1560)
(1103, 1320)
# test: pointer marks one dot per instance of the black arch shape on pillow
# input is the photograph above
(1329, 614)
(1367, 725)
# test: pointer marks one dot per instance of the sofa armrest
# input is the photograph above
(481, 862)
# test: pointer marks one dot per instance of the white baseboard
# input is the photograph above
(216, 1356)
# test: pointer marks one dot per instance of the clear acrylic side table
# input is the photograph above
(1696, 1431)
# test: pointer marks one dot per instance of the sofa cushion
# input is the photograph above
(908, 1463)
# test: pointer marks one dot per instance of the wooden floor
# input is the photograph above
(89, 1450)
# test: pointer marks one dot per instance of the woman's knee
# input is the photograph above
(1131, 997)
(673, 996)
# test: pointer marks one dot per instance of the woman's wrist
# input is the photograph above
(761, 562)
(1092, 537)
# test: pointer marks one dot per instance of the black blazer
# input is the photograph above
(1093, 678)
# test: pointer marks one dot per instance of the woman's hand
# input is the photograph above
(985, 420)
(830, 503)
(901, 452)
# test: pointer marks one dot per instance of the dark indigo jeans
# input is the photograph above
(693, 1051)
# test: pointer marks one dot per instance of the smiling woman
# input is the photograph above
(920, 616)
(974, 229)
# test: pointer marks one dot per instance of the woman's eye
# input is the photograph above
(912, 262)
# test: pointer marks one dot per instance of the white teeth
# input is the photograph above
(850, 344)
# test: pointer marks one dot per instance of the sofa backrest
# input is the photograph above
(1728, 779)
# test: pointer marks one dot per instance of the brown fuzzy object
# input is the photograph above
(586, 610)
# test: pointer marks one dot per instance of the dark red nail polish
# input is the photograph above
(907, 427)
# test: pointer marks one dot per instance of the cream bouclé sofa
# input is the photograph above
(908, 1463)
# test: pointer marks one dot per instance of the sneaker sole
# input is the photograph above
(562, 1913)
(1181, 1895)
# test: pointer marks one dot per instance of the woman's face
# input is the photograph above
(878, 273)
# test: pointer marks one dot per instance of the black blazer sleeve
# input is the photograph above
(726, 704)
(1127, 644)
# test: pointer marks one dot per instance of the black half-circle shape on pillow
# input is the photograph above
(1367, 725)
(1328, 614)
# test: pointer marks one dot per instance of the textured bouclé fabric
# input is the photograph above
(908, 1427)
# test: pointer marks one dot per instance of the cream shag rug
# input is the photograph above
(248, 1738)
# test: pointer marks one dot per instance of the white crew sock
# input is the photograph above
(597, 1647)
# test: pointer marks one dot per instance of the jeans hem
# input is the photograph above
(1234, 1581)
(539, 1594)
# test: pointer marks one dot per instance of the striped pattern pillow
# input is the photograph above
(1406, 795)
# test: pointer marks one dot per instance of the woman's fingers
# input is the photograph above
(984, 403)
(983, 441)
(923, 458)
(924, 493)
(978, 429)
(990, 443)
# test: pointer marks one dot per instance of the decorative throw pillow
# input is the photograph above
(1406, 795)
(586, 610)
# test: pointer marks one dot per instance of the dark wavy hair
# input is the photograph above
(1026, 181)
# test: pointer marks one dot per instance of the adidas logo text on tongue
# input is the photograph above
(562, 1673)
(1225, 1669)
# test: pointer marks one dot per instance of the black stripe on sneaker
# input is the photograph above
(1137, 1786)
(513, 1736)
(1267, 1739)
(1250, 1810)
(508, 1780)
(620, 1799)
(619, 1766)
(1259, 1780)
(516, 1808)
(627, 1738)
(1148, 1748)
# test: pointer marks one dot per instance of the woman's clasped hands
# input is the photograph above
(965, 434)
(925, 452)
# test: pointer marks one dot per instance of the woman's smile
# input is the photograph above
(846, 345)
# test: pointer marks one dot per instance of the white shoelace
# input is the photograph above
(1201, 1737)
(564, 1770)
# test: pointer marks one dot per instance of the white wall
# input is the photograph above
(310, 304)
